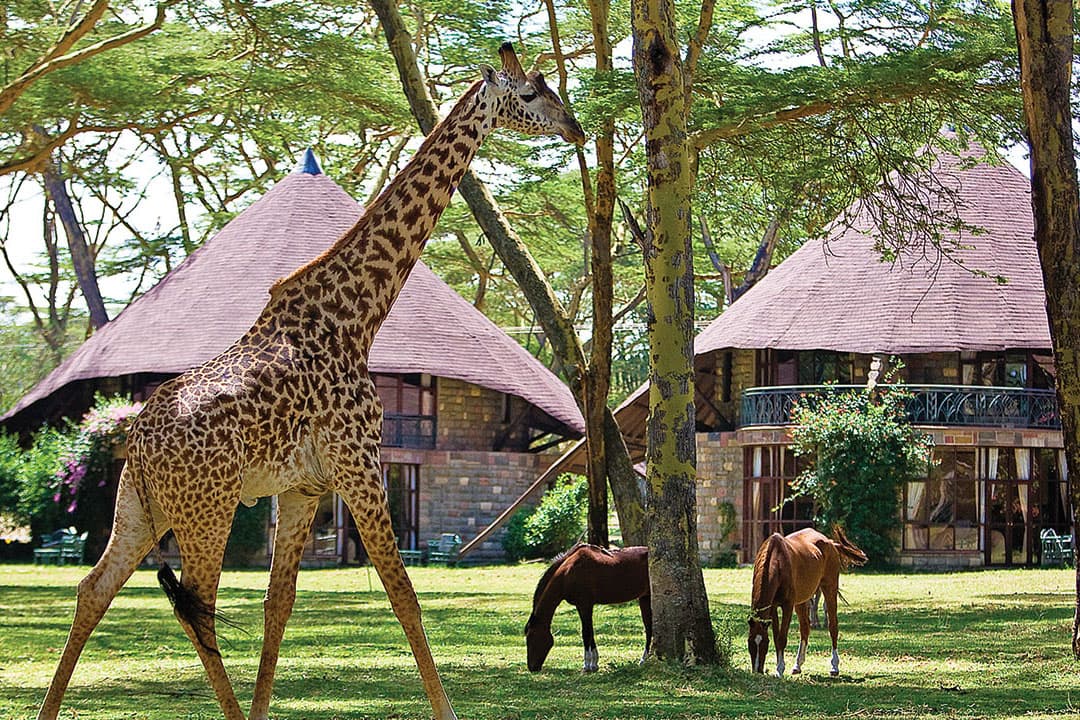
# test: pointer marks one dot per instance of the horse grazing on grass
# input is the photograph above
(584, 576)
(787, 573)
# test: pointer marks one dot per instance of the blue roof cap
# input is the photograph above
(310, 164)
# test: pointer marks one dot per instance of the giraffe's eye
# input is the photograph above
(528, 97)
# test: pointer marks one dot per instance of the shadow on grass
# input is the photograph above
(345, 656)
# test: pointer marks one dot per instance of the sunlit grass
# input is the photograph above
(989, 644)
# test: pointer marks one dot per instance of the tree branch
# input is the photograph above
(53, 60)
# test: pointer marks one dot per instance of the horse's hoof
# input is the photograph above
(796, 671)
(834, 673)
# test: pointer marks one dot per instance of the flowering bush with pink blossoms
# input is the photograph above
(88, 449)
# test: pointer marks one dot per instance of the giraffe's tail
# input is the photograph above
(189, 607)
(192, 609)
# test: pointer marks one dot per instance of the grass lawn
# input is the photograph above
(984, 644)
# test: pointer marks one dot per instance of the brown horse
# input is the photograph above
(584, 576)
(787, 573)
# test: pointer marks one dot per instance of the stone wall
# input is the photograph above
(719, 481)
(462, 491)
(471, 417)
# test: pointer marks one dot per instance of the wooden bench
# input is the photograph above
(61, 546)
(444, 551)
(411, 557)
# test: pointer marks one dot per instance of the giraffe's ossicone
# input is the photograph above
(289, 410)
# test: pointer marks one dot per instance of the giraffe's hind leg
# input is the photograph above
(367, 501)
(202, 548)
(129, 542)
(295, 514)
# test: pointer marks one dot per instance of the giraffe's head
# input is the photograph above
(523, 101)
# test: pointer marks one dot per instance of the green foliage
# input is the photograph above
(861, 451)
(38, 504)
(11, 461)
(725, 555)
(553, 526)
(248, 534)
(730, 627)
(67, 475)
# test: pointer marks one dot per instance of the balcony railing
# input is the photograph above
(408, 431)
(953, 405)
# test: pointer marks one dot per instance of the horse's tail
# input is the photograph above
(762, 561)
(850, 554)
(187, 605)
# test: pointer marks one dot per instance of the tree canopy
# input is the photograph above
(798, 110)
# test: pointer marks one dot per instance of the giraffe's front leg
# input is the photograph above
(295, 514)
(368, 505)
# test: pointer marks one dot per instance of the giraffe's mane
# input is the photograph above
(347, 237)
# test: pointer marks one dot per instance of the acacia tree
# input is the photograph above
(681, 625)
(608, 457)
(207, 103)
(1044, 32)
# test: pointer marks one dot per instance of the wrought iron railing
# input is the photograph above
(953, 405)
(408, 431)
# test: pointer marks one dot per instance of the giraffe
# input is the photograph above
(289, 410)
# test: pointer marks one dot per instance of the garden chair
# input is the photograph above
(411, 557)
(71, 548)
(1056, 549)
(444, 551)
(49, 552)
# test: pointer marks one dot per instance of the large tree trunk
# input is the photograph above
(682, 628)
(1044, 37)
(598, 379)
(588, 381)
(81, 259)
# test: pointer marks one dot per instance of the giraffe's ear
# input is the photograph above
(488, 73)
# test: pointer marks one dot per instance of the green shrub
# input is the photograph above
(39, 500)
(730, 627)
(553, 526)
(861, 450)
(11, 461)
(248, 533)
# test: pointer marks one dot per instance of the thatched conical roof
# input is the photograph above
(840, 296)
(206, 303)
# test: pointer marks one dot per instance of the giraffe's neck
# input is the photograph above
(353, 284)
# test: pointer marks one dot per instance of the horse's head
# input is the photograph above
(538, 643)
(758, 642)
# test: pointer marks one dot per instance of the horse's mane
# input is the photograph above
(552, 568)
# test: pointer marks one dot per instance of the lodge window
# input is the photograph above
(993, 500)
(1008, 369)
(769, 503)
(941, 511)
(402, 483)
(819, 366)
(803, 367)
(408, 409)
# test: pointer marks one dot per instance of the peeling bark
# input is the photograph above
(682, 629)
